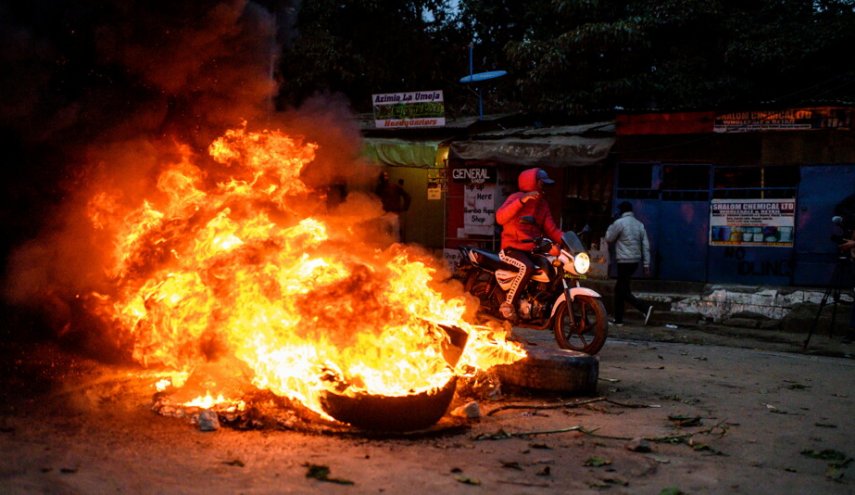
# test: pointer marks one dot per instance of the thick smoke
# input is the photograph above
(101, 94)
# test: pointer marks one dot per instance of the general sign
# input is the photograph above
(475, 175)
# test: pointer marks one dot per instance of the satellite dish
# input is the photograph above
(483, 76)
(479, 77)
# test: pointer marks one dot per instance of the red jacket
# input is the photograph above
(508, 215)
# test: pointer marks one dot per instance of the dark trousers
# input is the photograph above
(623, 293)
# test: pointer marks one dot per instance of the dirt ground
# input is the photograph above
(668, 417)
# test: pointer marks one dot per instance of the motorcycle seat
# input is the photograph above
(491, 261)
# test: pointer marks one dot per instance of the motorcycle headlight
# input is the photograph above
(581, 263)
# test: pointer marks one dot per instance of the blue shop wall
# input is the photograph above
(820, 189)
(679, 235)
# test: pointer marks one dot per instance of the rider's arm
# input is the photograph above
(548, 224)
(509, 208)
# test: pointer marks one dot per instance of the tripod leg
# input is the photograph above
(836, 299)
(816, 318)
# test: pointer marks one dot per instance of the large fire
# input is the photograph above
(242, 262)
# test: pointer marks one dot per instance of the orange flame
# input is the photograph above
(241, 260)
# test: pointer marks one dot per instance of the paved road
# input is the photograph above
(715, 419)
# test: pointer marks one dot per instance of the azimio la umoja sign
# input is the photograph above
(413, 109)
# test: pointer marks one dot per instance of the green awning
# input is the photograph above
(402, 152)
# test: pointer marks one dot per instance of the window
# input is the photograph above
(769, 181)
(635, 180)
(685, 182)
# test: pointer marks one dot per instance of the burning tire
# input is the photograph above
(590, 330)
(552, 371)
(393, 414)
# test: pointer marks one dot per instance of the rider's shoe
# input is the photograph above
(507, 311)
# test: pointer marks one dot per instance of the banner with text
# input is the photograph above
(413, 109)
(752, 222)
(794, 119)
(479, 209)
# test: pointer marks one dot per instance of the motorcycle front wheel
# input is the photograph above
(588, 330)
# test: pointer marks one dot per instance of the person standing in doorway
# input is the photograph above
(395, 202)
(631, 247)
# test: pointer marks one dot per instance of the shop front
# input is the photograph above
(745, 198)
(483, 171)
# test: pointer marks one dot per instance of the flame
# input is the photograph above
(240, 259)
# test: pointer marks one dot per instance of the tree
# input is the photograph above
(685, 54)
(363, 47)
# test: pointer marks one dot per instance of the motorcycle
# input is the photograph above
(553, 297)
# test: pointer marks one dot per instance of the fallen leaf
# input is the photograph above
(826, 454)
(539, 446)
(700, 447)
(638, 445)
(616, 481)
(322, 473)
(685, 421)
(597, 461)
(467, 480)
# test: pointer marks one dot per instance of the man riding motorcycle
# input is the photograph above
(517, 235)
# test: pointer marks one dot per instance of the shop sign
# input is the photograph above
(479, 209)
(794, 119)
(752, 222)
(474, 175)
(413, 109)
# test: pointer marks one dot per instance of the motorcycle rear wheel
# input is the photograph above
(481, 285)
(590, 330)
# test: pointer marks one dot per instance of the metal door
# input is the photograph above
(820, 189)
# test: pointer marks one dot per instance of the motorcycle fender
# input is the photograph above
(574, 291)
(582, 291)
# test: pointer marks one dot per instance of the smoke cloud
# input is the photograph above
(100, 95)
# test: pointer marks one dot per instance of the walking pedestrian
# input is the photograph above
(631, 247)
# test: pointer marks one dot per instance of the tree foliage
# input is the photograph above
(360, 47)
(579, 57)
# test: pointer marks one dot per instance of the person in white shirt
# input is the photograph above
(632, 247)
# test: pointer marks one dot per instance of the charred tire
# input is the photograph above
(590, 331)
(547, 370)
